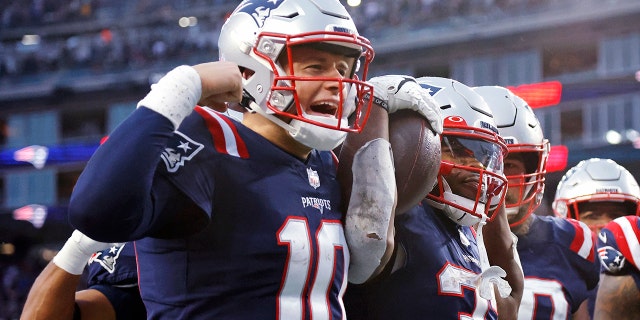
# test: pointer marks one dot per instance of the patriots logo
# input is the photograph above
(260, 10)
(107, 258)
(180, 149)
(611, 259)
(432, 90)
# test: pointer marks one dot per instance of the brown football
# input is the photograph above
(416, 156)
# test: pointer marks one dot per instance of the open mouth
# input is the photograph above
(324, 108)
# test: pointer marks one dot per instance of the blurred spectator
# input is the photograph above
(16, 276)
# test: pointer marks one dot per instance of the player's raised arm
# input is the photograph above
(367, 175)
(113, 199)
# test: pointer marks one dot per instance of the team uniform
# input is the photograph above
(437, 280)
(114, 273)
(558, 260)
(273, 246)
(619, 248)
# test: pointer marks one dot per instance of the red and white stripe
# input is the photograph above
(626, 232)
(583, 241)
(224, 133)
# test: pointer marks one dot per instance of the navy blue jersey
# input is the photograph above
(558, 260)
(437, 281)
(114, 273)
(619, 249)
(274, 247)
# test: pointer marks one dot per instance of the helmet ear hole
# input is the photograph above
(247, 73)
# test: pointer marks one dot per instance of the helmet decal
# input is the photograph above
(608, 189)
(455, 121)
(432, 90)
(487, 125)
(259, 10)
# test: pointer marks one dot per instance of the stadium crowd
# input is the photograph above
(146, 31)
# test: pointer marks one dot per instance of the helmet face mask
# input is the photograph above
(471, 182)
(262, 37)
(528, 150)
(526, 188)
(597, 188)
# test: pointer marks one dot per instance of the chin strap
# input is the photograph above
(490, 274)
(250, 104)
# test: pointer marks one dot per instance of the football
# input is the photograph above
(416, 157)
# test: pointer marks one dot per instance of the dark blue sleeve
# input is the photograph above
(113, 200)
(126, 302)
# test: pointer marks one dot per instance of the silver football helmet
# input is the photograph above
(259, 35)
(596, 180)
(523, 135)
(471, 183)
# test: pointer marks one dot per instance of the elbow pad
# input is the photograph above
(371, 204)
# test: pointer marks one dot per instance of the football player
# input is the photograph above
(619, 252)
(597, 191)
(111, 286)
(557, 254)
(243, 220)
(439, 268)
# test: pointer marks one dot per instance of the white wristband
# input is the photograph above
(76, 252)
(175, 95)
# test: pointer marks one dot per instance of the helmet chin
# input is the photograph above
(458, 216)
(317, 137)
(312, 136)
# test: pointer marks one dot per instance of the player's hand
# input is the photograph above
(221, 82)
(403, 92)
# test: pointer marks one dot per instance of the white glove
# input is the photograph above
(76, 252)
(403, 92)
(489, 277)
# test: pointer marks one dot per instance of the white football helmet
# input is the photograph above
(595, 180)
(523, 135)
(471, 182)
(260, 33)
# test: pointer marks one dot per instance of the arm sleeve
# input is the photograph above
(112, 199)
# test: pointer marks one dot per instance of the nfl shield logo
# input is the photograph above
(314, 178)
